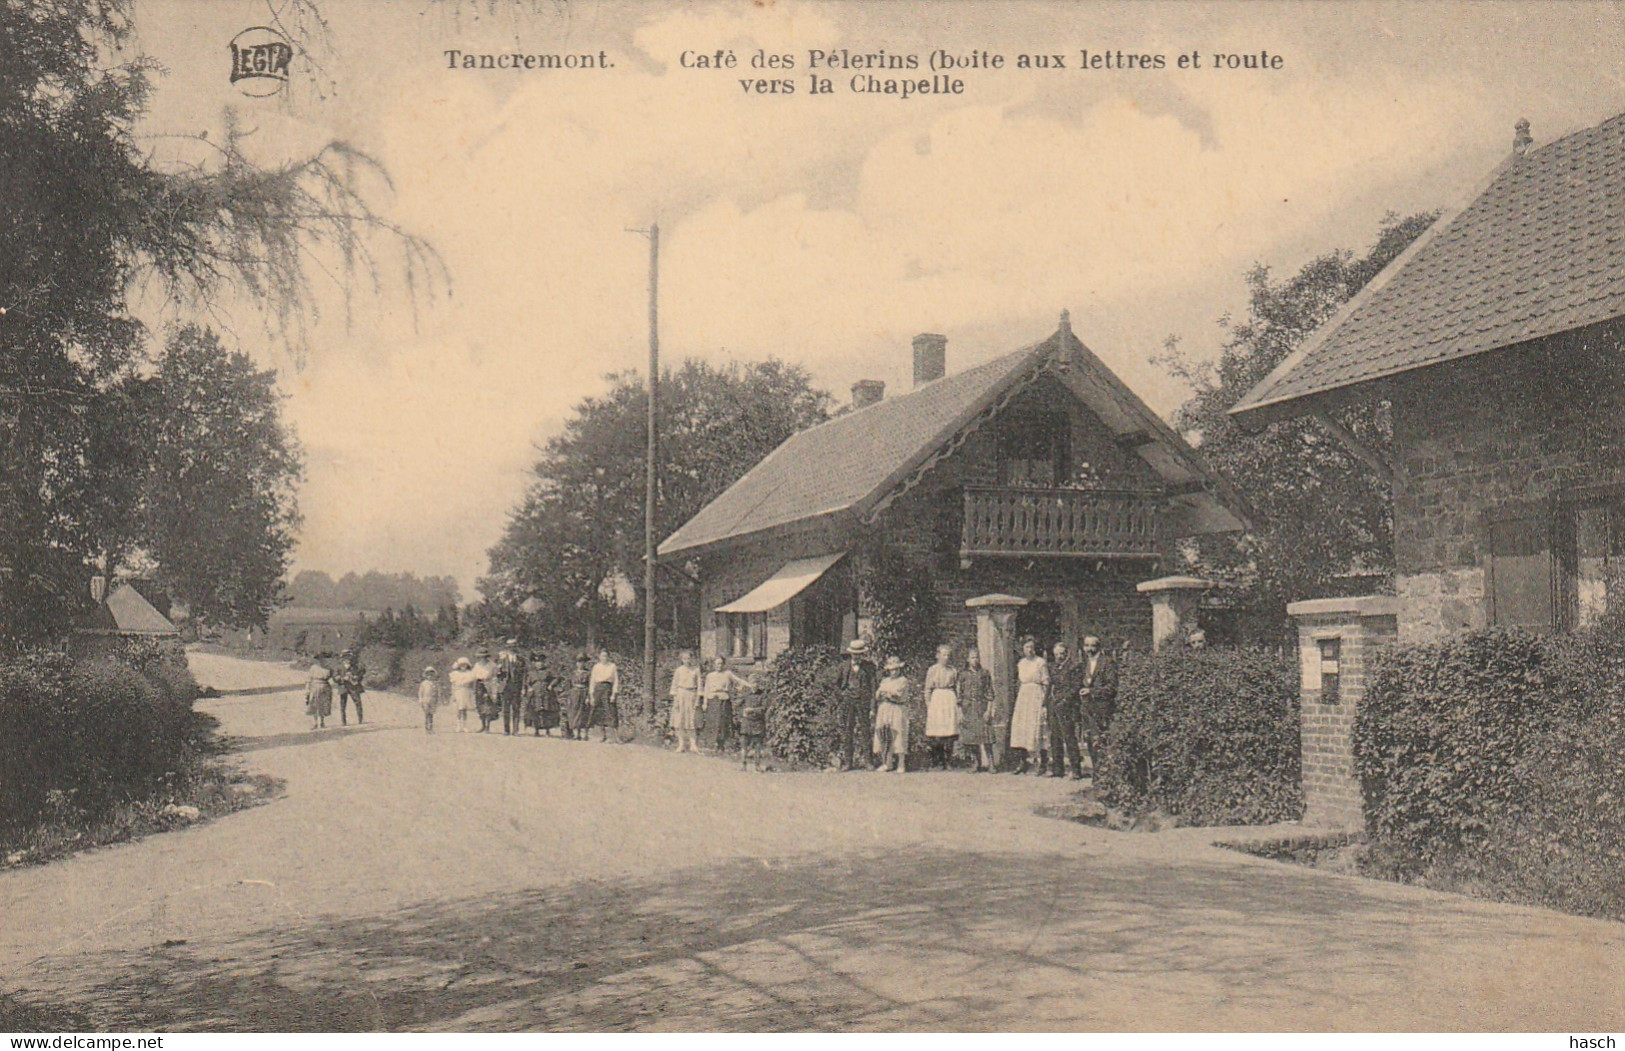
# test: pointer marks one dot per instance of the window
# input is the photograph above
(1035, 451)
(1519, 569)
(1554, 563)
(747, 636)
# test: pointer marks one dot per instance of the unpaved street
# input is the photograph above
(408, 881)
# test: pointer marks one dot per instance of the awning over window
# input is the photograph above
(784, 585)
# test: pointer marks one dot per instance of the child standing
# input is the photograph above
(891, 717)
(428, 698)
(752, 732)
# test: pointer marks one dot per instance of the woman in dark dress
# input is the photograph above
(542, 707)
(976, 712)
(579, 711)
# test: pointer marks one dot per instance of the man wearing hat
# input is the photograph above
(510, 686)
(855, 684)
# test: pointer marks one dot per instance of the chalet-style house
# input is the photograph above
(1037, 474)
(1498, 338)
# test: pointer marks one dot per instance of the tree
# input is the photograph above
(89, 215)
(575, 543)
(1322, 513)
(219, 512)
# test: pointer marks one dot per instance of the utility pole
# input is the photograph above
(651, 471)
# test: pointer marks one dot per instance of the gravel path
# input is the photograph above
(409, 881)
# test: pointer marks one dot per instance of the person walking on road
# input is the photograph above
(428, 698)
(605, 686)
(942, 707)
(1026, 722)
(319, 695)
(976, 711)
(891, 717)
(510, 687)
(716, 700)
(685, 701)
(350, 681)
(463, 679)
(855, 683)
(1099, 701)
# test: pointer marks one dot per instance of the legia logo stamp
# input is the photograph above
(260, 57)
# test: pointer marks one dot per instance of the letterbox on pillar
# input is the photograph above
(1337, 637)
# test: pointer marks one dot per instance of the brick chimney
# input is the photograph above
(930, 357)
(866, 392)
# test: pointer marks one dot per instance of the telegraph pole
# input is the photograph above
(651, 470)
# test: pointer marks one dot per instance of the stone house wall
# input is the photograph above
(1510, 426)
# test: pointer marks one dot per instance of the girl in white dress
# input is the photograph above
(1027, 721)
(462, 678)
(891, 717)
(942, 707)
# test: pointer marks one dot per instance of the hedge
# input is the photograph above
(77, 737)
(1211, 736)
(1495, 762)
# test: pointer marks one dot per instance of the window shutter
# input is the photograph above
(1520, 578)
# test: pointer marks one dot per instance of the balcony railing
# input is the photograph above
(1085, 523)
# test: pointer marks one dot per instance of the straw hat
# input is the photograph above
(857, 646)
(463, 662)
(894, 664)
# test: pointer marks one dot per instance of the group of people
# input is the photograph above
(348, 681)
(1063, 706)
(1061, 709)
(524, 694)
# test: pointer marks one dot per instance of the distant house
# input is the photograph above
(1499, 340)
(1038, 474)
(120, 614)
(310, 629)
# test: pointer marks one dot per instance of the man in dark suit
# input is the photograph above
(510, 686)
(855, 684)
(1098, 691)
(1065, 710)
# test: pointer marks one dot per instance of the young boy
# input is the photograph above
(752, 732)
(428, 698)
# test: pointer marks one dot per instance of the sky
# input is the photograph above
(824, 230)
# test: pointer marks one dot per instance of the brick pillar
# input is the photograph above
(1174, 601)
(1337, 638)
(996, 642)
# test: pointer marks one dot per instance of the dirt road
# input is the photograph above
(408, 881)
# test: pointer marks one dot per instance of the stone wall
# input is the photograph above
(1505, 427)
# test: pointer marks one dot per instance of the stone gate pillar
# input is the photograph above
(1337, 638)
(1174, 602)
(996, 642)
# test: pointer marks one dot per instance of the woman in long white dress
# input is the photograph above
(942, 707)
(1027, 721)
(685, 702)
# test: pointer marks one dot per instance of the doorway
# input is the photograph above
(1041, 620)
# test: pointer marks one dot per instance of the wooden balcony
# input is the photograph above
(1065, 523)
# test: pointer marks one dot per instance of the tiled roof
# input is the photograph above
(848, 464)
(837, 465)
(126, 612)
(1540, 251)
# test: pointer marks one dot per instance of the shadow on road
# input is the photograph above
(259, 691)
(300, 737)
(911, 939)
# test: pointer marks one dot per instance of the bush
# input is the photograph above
(1208, 735)
(803, 722)
(78, 737)
(1495, 763)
